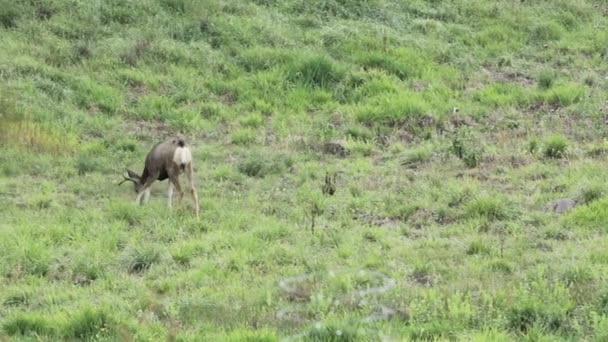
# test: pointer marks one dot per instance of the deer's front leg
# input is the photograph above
(189, 172)
(144, 193)
(178, 188)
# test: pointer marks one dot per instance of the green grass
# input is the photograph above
(448, 204)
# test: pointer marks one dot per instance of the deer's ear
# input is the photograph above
(133, 175)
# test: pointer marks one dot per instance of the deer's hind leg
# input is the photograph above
(174, 184)
(189, 174)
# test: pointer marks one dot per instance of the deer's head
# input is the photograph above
(135, 178)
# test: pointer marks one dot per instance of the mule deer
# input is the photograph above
(167, 159)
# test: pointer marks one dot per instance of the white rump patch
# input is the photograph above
(182, 156)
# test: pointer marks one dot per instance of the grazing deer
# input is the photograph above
(167, 159)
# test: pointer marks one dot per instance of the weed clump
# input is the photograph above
(260, 166)
(88, 323)
(555, 147)
(466, 146)
(592, 192)
(478, 247)
(140, 258)
(546, 79)
(28, 324)
(9, 13)
(316, 72)
(492, 208)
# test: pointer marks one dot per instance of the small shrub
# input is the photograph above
(360, 133)
(466, 146)
(546, 79)
(257, 59)
(434, 331)
(21, 297)
(394, 110)
(592, 192)
(136, 52)
(88, 163)
(591, 217)
(128, 212)
(561, 95)
(88, 268)
(577, 275)
(417, 156)
(403, 69)
(503, 95)
(243, 136)
(589, 80)
(555, 147)
(492, 208)
(541, 305)
(88, 323)
(140, 258)
(261, 166)
(28, 324)
(478, 247)
(361, 148)
(9, 13)
(126, 145)
(533, 145)
(253, 167)
(545, 31)
(210, 110)
(334, 334)
(315, 71)
(254, 120)
(501, 266)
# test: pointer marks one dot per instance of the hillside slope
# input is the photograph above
(449, 127)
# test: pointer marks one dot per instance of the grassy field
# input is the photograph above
(449, 127)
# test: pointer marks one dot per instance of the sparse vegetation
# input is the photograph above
(277, 97)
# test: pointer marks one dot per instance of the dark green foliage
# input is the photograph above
(493, 208)
(592, 192)
(140, 258)
(555, 147)
(260, 166)
(466, 146)
(10, 12)
(88, 323)
(334, 334)
(315, 71)
(478, 247)
(546, 79)
(28, 324)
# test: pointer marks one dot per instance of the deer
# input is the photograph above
(167, 159)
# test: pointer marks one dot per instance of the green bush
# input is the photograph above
(315, 71)
(591, 217)
(29, 324)
(492, 208)
(555, 147)
(140, 258)
(546, 79)
(89, 323)
(478, 247)
(243, 136)
(393, 110)
(10, 12)
(404, 66)
(467, 147)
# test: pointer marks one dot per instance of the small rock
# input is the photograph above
(561, 205)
